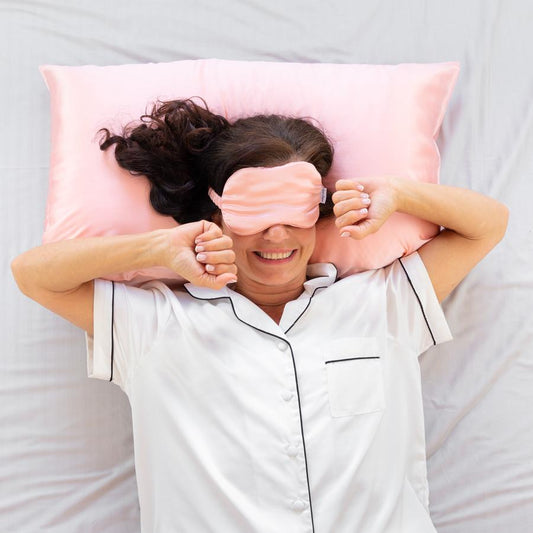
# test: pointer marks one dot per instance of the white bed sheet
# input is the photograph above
(66, 455)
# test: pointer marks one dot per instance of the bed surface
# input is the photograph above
(66, 455)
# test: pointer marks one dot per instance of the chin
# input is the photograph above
(279, 279)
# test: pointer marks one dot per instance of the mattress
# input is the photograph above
(66, 452)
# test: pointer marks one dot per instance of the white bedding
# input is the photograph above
(66, 455)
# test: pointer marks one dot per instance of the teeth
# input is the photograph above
(267, 255)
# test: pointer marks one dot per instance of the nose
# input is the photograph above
(276, 233)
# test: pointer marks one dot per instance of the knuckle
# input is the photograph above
(338, 210)
(345, 217)
(349, 203)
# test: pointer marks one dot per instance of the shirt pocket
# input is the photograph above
(354, 376)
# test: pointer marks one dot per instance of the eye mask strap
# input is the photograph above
(216, 199)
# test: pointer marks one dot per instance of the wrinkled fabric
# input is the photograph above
(256, 198)
(66, 455)
(314, 424)
(389, 128)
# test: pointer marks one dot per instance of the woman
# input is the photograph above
(266, 395)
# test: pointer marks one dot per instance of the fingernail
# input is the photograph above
(199, 248)
(365, 195)
(366, 200)
(209, 268)
(201, 257)
(360, 187)
(345, 234)
(363, 211)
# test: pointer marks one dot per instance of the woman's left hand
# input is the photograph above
(363, 205)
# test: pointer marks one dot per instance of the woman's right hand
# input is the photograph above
(59, 275)
(202, 254)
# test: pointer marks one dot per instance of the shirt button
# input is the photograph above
(282, 346)
(286, 395)
(292, 451)
(298, 505)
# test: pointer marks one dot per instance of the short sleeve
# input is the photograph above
(415, 317)
(127, 322)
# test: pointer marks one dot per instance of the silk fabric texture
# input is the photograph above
(382, 120)
(255, 198)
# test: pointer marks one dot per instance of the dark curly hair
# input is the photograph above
(184, 148)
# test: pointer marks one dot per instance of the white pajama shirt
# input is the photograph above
(242, 425)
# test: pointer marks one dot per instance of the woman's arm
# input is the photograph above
(60, 275)
(473, 223)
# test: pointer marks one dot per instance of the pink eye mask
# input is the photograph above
(256, 198)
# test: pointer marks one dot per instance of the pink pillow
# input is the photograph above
(382, 119)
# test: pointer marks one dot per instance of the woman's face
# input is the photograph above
(274, 258)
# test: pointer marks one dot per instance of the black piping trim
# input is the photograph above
(112, 324)
(352, 359)
(303, 438)
(419, 303)
(304, 310)
(309, 302)
(295, 375)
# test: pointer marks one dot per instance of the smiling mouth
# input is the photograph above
(275, 256)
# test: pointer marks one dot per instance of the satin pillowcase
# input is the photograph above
(382, 120)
